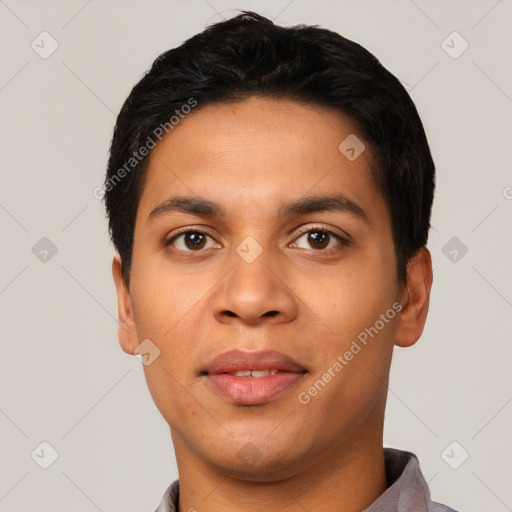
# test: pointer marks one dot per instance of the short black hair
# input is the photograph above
(249, 55)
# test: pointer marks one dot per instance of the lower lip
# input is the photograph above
(253, 390)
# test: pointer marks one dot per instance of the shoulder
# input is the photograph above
(407, 485)
(170, 499)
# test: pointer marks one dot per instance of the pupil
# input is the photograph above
(194, 240)
(319, 238)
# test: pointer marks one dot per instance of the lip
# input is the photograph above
(252, 390)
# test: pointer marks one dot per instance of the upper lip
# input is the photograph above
(240, 360)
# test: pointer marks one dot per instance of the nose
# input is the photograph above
(254, 294)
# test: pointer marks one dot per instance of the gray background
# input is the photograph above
(64, 378)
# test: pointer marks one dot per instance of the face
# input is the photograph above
(264, 272)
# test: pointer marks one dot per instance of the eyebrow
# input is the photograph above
(310, 204)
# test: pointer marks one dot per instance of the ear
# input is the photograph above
(127, 331)
(415, 299)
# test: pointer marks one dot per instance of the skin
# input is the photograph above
(252, 157)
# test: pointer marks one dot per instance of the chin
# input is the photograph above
(257, 460)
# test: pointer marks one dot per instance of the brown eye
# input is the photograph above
(194, 241)
(191, 240)
(318, 239)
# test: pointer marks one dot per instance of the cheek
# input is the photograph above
(356, 308)
(164, 306)
(350, 298)
(171, 310)
(164, 298)
(351, 381)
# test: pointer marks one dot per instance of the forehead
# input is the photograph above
(258, 154)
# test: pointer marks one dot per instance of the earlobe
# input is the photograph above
(415, 299)
(127, 331)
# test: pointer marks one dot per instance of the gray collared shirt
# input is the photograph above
(407, 491)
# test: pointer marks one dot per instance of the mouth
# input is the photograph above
(252, 378)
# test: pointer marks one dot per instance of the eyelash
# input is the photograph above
(345, 242)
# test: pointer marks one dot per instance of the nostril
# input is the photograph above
(229, 313)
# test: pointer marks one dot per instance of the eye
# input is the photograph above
(191, 240)
(319, 238)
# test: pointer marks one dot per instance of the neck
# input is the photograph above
(348, 478)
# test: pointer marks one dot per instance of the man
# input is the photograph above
(269, 193)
